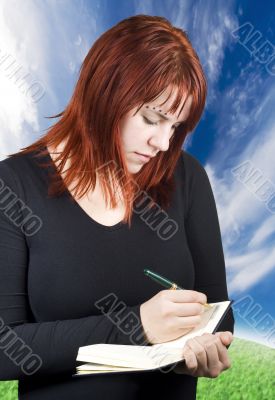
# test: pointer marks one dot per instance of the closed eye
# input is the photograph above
(147, 121)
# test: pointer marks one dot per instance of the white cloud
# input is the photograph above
(212, 25)
(247, 223)
(41, 39)
(17, 111)
(251, 268)
(265, 229)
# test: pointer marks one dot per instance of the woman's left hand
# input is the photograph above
(206, 355)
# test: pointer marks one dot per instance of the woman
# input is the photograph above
(83, 213)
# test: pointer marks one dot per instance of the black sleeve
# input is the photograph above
(204, 238)
(41, 348)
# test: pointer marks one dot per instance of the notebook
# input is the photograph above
(105, 358)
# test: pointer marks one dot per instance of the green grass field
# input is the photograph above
(251, 376)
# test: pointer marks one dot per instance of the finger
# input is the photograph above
(199, 351)
(226, 337)
(190, 358)
(223, 355)
(188, 322)
(213, 364)
(185, 296)
(187, 309)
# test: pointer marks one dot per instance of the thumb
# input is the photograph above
(226, 337)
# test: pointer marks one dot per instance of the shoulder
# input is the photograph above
(192, 168)
(14, 170)
(8, 170)
(15, 162)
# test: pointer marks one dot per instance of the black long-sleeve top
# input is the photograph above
(57, 265)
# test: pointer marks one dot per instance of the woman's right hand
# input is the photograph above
(171, 314)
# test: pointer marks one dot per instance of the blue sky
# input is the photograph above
(47, 41)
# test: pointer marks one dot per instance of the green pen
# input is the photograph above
(166, 282)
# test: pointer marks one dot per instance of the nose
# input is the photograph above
(160, 138)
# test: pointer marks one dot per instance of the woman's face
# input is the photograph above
(148, 132)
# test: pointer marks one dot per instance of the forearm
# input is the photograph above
(53, 346)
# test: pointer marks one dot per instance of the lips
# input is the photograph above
(145, 155)
(142, 157)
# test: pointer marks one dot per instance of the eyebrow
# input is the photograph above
(161, 115)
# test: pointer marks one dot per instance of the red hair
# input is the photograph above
(128, 65)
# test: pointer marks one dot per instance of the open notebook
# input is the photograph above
(113, 358)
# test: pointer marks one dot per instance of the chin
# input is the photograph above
(134, 169)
